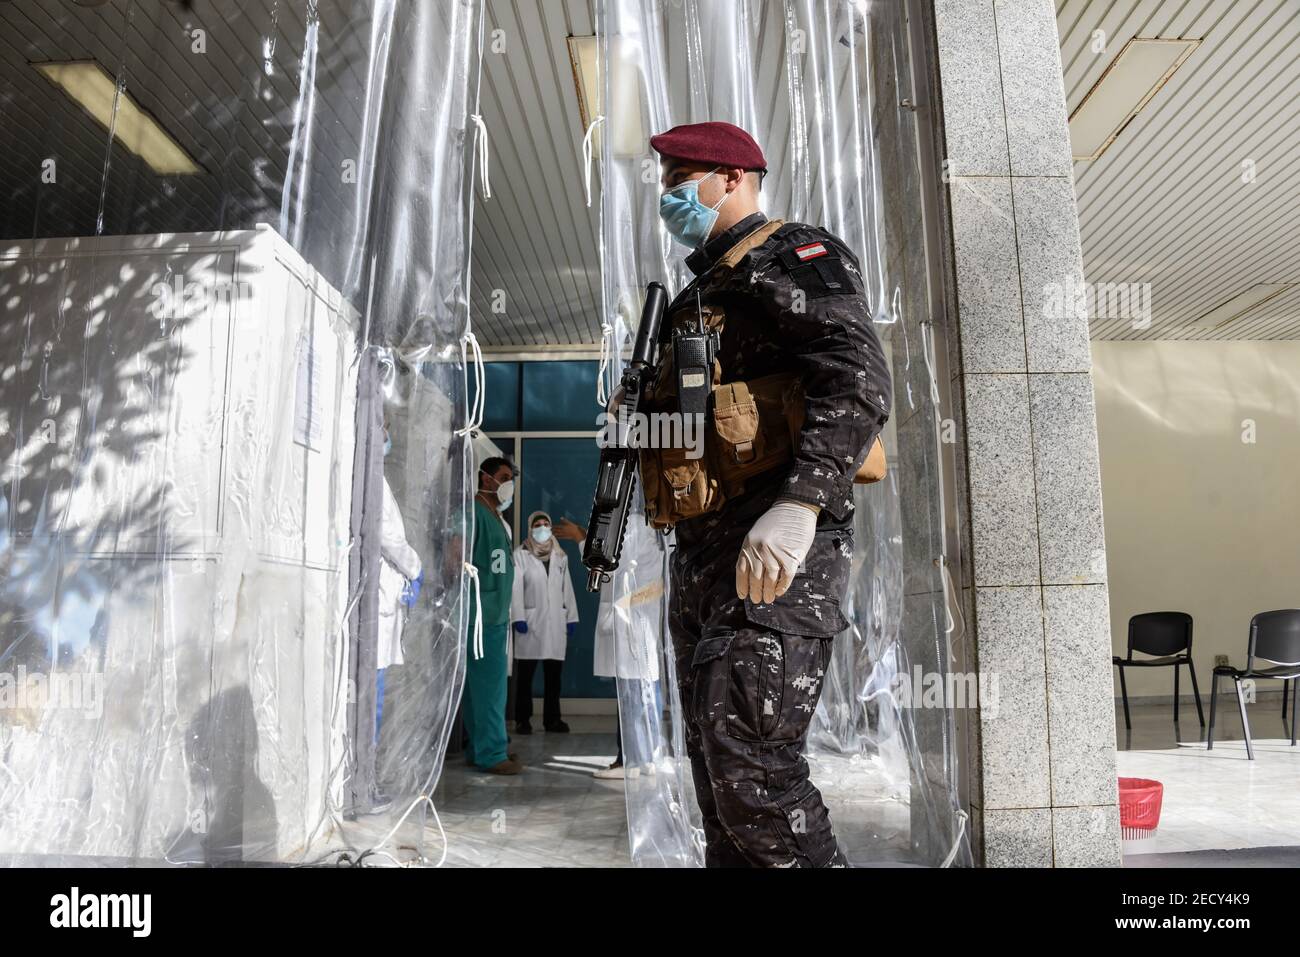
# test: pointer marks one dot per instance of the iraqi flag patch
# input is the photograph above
(811, 251)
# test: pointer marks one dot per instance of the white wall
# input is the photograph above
(1199, 518)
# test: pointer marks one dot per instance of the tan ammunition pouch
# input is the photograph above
(754, 428)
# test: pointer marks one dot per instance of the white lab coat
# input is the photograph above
(544, 599)
(399, 563)
(630, 626)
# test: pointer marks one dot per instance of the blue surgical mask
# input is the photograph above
(542, 534)
(388, 444)
(687, 219)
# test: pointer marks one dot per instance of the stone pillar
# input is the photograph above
(1042, 762)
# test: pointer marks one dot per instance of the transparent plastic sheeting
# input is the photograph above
(820, 86)
(205, 547)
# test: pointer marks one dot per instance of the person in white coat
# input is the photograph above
(545, 613)
(629, 631)
(400, 576)
(630, 627)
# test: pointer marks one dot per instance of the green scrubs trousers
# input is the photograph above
(485, 699)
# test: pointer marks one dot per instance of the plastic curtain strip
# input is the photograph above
(818, 84)
(663, 819)
(234, 619)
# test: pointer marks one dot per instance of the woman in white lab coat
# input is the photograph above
(544, 612)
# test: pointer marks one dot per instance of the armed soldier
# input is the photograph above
(800, 393)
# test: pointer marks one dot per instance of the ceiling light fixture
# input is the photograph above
(94, 90)
(623, 121)
(1137, 74)
(1243, 303)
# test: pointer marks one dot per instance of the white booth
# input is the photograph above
(178, 440)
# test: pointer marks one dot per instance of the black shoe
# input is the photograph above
(559, 727)
(523, 727)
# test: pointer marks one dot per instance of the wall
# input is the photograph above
(1201, 516)
(1035, 580)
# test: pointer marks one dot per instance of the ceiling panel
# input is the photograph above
(1166, 204)
(232, 107)
(536, 253)
(535, 246)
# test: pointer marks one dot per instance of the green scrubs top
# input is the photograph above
(494, 559)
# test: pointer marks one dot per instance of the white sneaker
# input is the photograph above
(612, 773)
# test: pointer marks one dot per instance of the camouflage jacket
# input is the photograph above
(796, 304)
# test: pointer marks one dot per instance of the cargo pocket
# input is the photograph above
(803, 610)
(755, 702)
(809, 839)
(749, 433)
(735, 422)
(811, 606)
(709, 681)
(687, 484)
(677, 487)
(739, 681)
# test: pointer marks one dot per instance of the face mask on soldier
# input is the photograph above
(687, 219)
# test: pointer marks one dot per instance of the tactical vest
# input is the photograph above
(753, 428)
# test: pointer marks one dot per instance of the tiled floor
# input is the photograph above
(1215, 798)
(554, 814)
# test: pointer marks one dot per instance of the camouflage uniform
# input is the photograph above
(750, 674)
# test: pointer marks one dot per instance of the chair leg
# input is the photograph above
(1123, 692)
(1214, 697)
(1294, 709)
(1286, 686)
(1196, 692)
(1175, 694)
(1245, 725)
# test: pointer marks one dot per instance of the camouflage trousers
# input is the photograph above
(749, 678)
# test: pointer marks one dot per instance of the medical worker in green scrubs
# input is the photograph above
(485, 678)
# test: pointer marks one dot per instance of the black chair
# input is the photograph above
(1275, 638)
(1285, 686)
(1167, 635)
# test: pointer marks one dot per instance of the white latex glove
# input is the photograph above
(773, 551)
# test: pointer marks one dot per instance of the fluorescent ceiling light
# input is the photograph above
(1129, 83)
(623, 121)
(1242, 303)
(86, 82)
(582, 57)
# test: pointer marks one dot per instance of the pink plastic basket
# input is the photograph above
(1139, 807)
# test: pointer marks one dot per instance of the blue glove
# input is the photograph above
(411, 591)
(573, 626)
(521, 627)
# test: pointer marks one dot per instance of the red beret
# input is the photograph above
(720, 144)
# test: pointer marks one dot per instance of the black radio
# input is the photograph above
(694, 350)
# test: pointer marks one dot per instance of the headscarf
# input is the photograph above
(541, 549)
